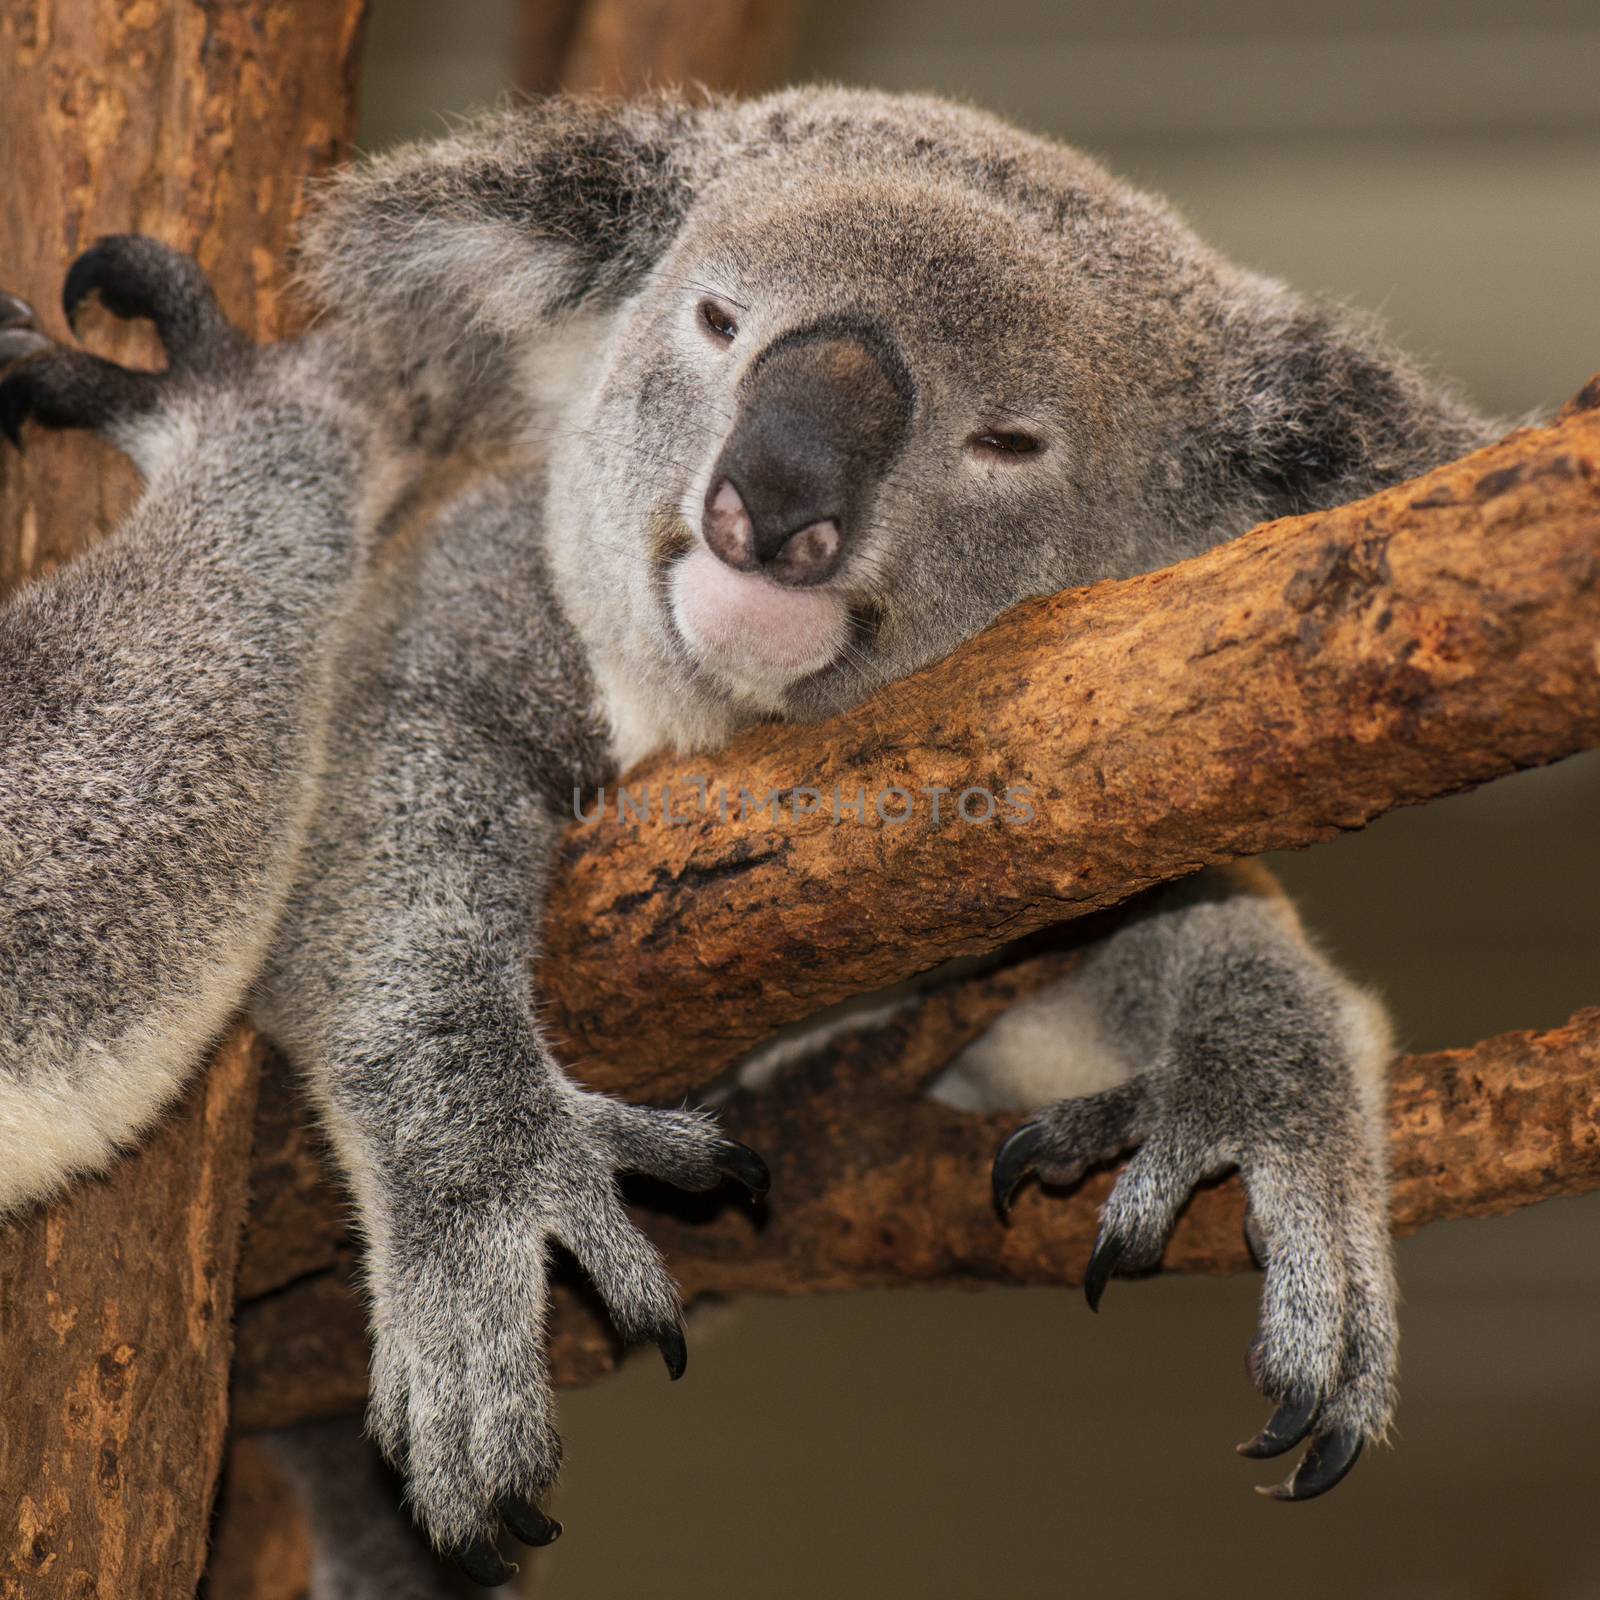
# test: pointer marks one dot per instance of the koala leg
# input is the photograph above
(163, 709)
(1218, 1039)
(134, 277)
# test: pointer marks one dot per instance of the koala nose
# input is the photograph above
(821, 414)
(807, 555)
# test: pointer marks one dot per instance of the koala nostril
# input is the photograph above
(728, 529)
(809, 555)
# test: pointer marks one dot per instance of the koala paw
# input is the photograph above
(1318, 1222)
(461, 1400)
(59, 387)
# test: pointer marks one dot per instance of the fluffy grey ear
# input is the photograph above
(1318, 410)
(461, 245)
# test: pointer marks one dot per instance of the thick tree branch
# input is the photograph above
(875, 1186)
(1272, 692)
(196, 123)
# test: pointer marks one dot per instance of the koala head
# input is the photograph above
(831, 379)
(852, 425)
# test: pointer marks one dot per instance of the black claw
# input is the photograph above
(674, 1350)
(481, 1562)
(15, 312)
(1286, 1427)
(14, 408)
(1108, 1250)
(19, 342)
(1330, 1457)
(743, 1165)
(1013, 1162)
(83, 278)
(528, 1522)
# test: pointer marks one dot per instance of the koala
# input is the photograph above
(626, 425)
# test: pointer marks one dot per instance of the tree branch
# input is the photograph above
(196, 123)
(1283, 687)
(876, 1186)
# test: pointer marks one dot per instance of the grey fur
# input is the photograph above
(362, 1546)
(302, 731)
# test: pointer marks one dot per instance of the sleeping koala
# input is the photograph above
(625, 426)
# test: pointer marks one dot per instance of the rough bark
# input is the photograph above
(875, 1186)
(1285, 686)
(197, 124)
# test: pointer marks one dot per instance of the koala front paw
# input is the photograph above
(461, 1400)
(59, 387)
(1318, 1221)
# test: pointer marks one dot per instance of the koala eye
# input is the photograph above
(997, 443)
(721, 324)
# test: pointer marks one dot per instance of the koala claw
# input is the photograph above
(59, 387)
(1013, 1163)
(1103, 1261)
(461, 1395)
(674, 1349)
(20, 335)
(528, 1523)
(482, 1563)
(135, 276)
(1286, 1427)
(744, 1166)
(1331, 1456)
(15, 312)
(1318, 1220)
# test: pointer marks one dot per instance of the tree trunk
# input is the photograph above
(197, 124)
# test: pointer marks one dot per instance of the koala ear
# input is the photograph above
(522, 216)
(1316, 410)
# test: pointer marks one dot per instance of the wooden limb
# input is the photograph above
(544, 31)
(624, 46)
(1281, 688)
(196, 123)
(116, 1307)
(875, 1186)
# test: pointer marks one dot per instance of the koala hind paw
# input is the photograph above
(60, 387)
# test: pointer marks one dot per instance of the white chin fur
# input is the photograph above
(757, 635)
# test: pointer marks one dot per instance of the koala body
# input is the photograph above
(626, 426)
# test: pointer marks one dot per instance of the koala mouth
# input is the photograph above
(757, 634)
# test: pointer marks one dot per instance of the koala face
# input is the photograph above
(814, 463)
(892, 367)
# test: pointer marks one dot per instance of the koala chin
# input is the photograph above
(753, 634)
(625, 425)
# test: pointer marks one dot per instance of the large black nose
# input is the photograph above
(821, 414)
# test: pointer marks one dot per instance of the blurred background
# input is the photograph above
(1439, 162)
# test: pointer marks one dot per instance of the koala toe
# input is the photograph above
(684, 1148)
(60, 388)
(134, 276)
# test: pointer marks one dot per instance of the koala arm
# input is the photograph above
(403, 986)
(164, 710)
(1208, 1032)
